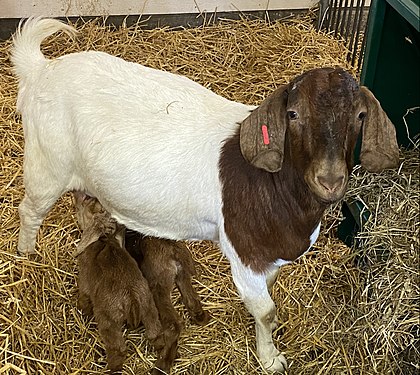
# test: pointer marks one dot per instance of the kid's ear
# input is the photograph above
(89, 236)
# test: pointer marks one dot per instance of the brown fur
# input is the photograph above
(111, 286)
(165, 263)
(270, 216)
(379, 150)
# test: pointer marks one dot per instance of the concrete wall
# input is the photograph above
(70, 8)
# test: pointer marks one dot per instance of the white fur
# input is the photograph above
(252, 288)
(145, 142)
(105, 121)
(314, 235)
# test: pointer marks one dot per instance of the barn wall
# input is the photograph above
(69, 8)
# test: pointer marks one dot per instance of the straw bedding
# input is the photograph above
(336, 317)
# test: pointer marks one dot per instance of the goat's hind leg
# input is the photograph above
(42, 189)
(183, 279)
(161, 286)
(190, 298)
(172, 327)
(32, 211)
(110, 330)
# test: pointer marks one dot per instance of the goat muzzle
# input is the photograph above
(329, 187)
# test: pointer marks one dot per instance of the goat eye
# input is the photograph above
(361, 116)
(292, 115)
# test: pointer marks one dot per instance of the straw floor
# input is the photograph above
(336, 317)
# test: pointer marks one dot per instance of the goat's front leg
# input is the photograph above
(252, 288)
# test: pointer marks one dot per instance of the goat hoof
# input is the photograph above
(24, 252)
(116, 372)
(158, 342)
(201, 318)
(275, 365)
(157, 371)
(116, 361)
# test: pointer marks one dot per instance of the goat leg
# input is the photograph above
(171, 325)
(110, 331)
(191, 299)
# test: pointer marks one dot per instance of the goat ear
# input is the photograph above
(78, 197)
(379, 143)
(89, 236)
(120, 235)
(262, 132)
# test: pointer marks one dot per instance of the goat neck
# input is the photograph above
(268, 217)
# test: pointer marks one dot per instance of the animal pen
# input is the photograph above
(342, 310)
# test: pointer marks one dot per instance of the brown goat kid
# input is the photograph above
(107, 272)
(112, 288)
(165, 263)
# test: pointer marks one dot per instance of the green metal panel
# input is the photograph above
(355, 216)
(391, 68)
(407, 9)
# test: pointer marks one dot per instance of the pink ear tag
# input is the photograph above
(266, 138)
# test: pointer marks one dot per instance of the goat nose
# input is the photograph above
(331, 183)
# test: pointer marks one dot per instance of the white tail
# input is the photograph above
(26, 52)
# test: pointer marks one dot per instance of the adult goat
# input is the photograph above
(169, 158)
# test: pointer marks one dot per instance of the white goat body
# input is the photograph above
(146, 142)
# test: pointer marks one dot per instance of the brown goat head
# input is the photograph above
(94, 221)
(86, 208)
(312, 124)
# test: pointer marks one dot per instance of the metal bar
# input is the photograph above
(351, 18)
(362, 50)
(327, 17)
(323, 9)
(333, 15)
(354, 37)
(339, 12)
(344, 18)
(358, 30)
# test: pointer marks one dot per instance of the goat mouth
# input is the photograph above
(330, 198)
(327, 198)
(324, 193)
(328, 201)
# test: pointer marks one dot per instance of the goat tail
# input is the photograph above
(26, 53)
(135, 313)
